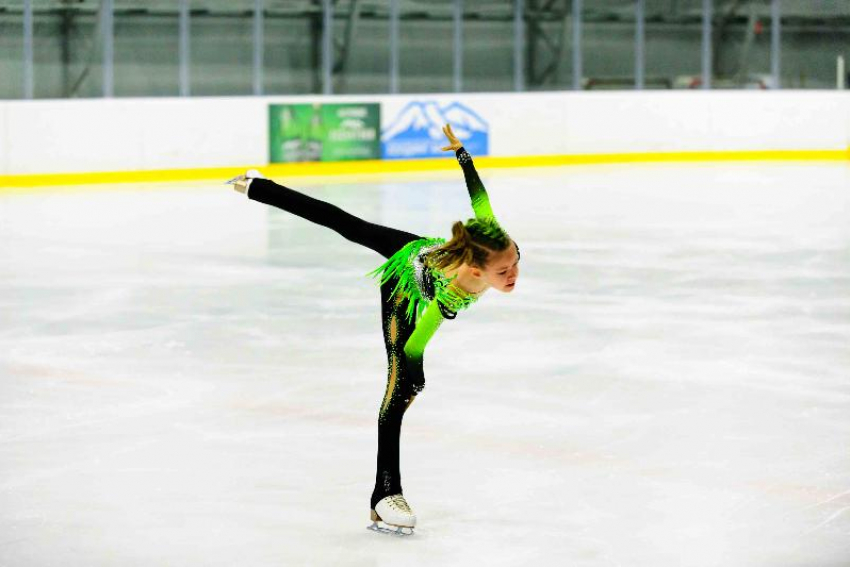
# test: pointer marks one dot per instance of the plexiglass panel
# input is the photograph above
(488, 46)
(222, 50)
(673, 44)
(11, 60)
(810, 50)
(147, 49)
(68, 46)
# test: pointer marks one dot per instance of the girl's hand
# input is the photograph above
(454, 143)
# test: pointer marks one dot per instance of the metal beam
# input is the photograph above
(28, 57)
(183, 48)
(577, 71)
(342, 52)
(741, 76)
(775, 39)
(108, 42)
(707, 8)
(327, 46)
(393, 46)
(258, 47)
(65, 26)
(519, 42)
(457, 66)
(544, 47)
(640, 42)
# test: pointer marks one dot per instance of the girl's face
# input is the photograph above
(502, 270)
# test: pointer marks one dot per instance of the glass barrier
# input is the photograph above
(147, 50)
(68, 44)
(608, 44)
(12, 59)
(810, 52)
(488, 47)
(673, 52)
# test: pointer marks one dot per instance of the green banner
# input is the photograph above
(324, 132)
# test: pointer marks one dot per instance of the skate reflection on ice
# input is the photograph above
(388, 529)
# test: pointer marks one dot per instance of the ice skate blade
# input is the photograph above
(390, 530)
(244, 178)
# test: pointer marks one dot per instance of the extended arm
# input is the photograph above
(477, 193)
(414, 348)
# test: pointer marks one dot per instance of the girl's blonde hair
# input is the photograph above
(471, 243)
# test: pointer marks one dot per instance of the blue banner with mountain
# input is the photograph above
(417, 131)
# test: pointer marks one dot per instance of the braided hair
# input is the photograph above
(471, 244)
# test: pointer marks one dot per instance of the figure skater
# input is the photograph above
(423, 281)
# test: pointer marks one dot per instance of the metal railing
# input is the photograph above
(525, 14)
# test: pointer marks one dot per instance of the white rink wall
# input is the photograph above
(131, 134)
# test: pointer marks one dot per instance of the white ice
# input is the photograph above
(189, 378)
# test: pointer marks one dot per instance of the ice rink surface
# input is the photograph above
(189, 378)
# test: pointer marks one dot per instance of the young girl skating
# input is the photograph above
(423, 281)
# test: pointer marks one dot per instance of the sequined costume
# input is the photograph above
(415, 299)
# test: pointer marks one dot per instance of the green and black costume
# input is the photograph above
(415, 299)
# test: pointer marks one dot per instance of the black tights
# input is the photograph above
(385, 241)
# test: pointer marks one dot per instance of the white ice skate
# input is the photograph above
(242, 182)
(395, 516)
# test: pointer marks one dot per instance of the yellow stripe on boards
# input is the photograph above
(287, 170)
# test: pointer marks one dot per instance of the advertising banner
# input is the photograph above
(324, 132)
(415, 130)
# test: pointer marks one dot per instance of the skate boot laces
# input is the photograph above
(398, 502)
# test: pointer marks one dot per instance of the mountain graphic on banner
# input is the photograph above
(417, 131)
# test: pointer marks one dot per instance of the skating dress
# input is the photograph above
(431, 295)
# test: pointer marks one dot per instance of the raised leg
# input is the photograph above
(382, 239)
